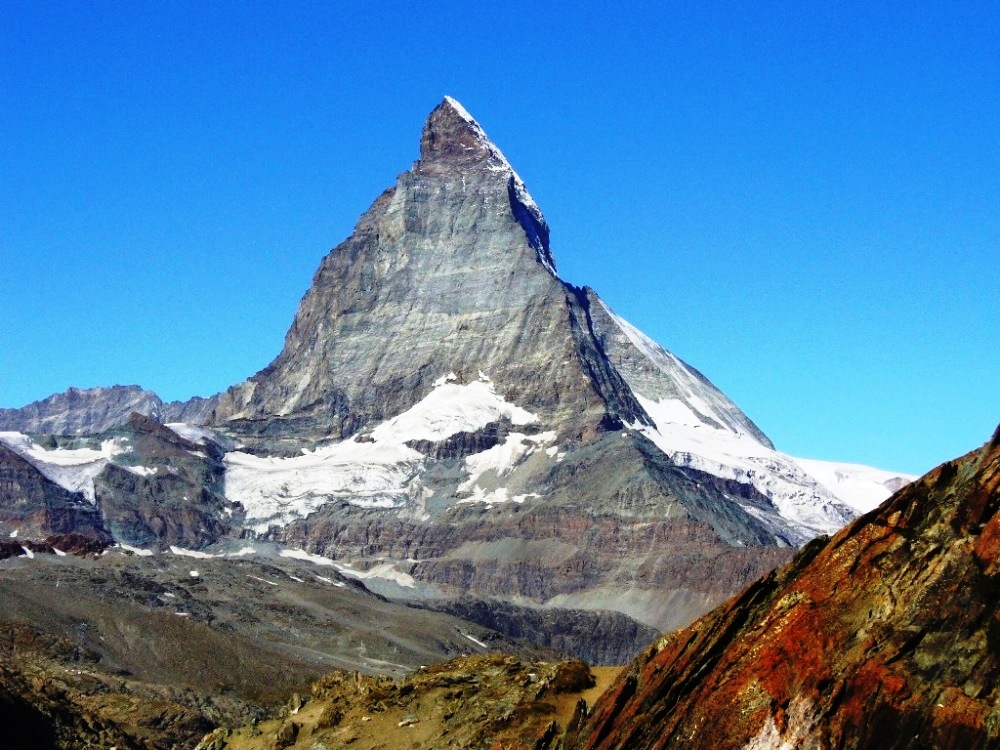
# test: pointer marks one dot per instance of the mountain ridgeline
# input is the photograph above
(451, 422)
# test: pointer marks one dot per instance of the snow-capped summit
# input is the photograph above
(452, 134)
(453, 139)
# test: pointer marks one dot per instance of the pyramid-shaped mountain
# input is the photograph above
(449, 272)
(451, 421)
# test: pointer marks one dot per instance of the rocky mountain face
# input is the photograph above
(91, 411)
(34, 507)
(449, 271)
(884, 636)
(175, 496)
(449, 420)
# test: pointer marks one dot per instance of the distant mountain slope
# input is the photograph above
(884, 636)
(140, 651)
(91, 411)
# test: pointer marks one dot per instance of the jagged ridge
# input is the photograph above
(883, 637)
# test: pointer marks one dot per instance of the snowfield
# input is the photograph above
(377, 470)
(277, 491)
(803, 498)
(808, 497)
(451, 408)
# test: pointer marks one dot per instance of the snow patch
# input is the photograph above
(180, 551)
(324, 579)
(262, 580)
(73, 469)
(385, 570)
(28, 552)
(449, 378)
(193, 433)
(495, 497)
(503, 457)
(277, 491)
(804, 505)
(301, 554)
(501, 460)
(474, 640)
(377, 470)
(59, 552)
(451, 408)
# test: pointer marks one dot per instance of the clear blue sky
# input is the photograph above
(800, 199)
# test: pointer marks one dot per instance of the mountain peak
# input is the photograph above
(454, 142)
(451, 134)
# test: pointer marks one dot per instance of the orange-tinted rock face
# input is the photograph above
(885, 636)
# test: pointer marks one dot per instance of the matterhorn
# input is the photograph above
(453, 424)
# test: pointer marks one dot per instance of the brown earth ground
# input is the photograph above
(493, 701)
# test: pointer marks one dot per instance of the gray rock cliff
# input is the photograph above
(448, 271)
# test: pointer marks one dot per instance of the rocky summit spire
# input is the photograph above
(453, 143)
(452, 135)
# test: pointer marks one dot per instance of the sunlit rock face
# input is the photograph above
(449, 271)
(882, 637)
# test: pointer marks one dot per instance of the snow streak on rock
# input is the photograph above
(73, 469)
(376, 470)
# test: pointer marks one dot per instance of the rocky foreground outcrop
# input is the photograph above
(491, 701)
(885, 636)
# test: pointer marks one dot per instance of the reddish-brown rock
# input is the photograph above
(885, 636)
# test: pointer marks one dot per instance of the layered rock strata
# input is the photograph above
(884, 636)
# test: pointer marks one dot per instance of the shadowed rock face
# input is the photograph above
(35, 507)
(180, 502)
(600, 638)
(885, 636)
